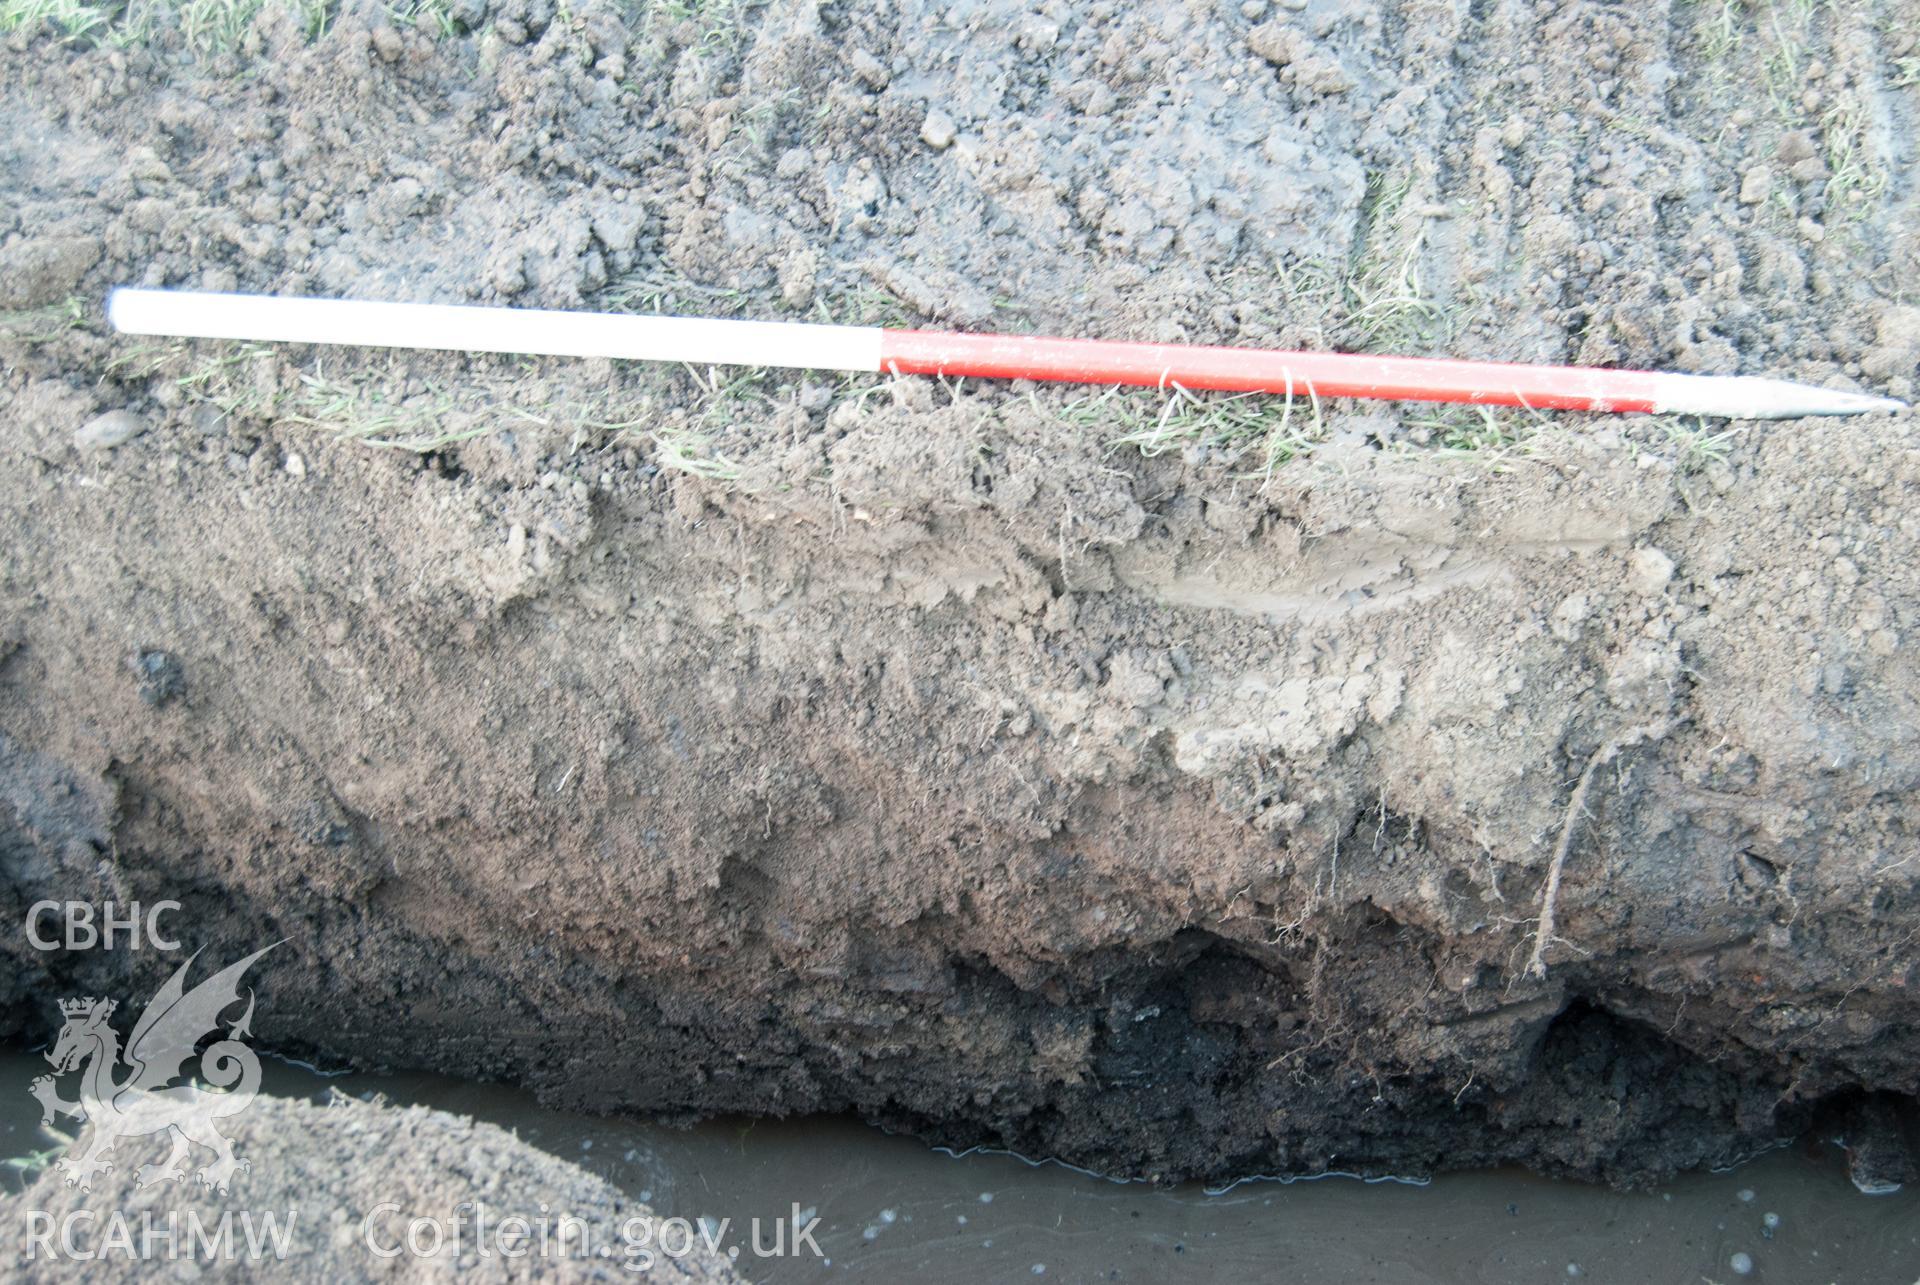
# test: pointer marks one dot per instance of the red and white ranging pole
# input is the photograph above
(704, 341)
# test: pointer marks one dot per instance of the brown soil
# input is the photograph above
(941, 761)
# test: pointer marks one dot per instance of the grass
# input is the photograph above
(371, 408)
(439, 417)
(1387, 308)
(218, 26)
(1787, 26)
(652, 292)
(34, 1163)
(46, 323)
(864, 305)
(718, 21)
(721, 399)
(73, 20)
(207, 28)
(1378, 300)
(686, 451)
(1269, 431)
(762, 121)
(1480, 430)
(1698, 446)
(1857, 175)
(356, 409)
(1496, 431)
(424, 15)
(1723, 32)
(1854, 180)
(428, 422)
(1256, 434)
(1783, 61)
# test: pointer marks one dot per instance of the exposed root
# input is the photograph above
(1576, 808)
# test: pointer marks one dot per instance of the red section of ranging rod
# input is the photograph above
(1252, 370)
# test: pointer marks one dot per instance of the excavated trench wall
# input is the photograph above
(925, 752)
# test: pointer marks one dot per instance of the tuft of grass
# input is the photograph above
(1854, 180)
(718, 21)
(427, 422)
(45, 323)
(436, 418)
(723, 396)
(725, 390)
(1723, 32)
(1263, 430)
(653, 292)
(686, 451)
(1377, 300)
(1697, 445)
(425, 15)
(248, 382)
(1789, 32)
(72, 19)
(31, 1165)
(207, 27)
(358, 409)
(1386, 304)
(1786, 55)
(762, 121)
(864, 305)
(216, 26)
(1477, 430)
(218, 376)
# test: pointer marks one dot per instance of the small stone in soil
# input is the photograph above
(1650, 569)
(938, 130)
(104, 432)
(161, 676)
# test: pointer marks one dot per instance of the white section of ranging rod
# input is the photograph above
(699, 341)
(1752, 397)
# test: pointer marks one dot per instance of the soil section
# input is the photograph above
(670, 742)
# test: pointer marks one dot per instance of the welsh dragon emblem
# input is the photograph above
(146, 1101)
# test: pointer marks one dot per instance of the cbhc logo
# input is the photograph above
(81, 929)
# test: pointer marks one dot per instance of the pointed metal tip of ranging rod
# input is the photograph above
(1803, 400)
(1751, 397)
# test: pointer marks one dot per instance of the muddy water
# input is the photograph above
(892, 1209)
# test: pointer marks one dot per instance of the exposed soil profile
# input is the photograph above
(1168, 786)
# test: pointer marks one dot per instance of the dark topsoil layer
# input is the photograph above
(931, 756)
